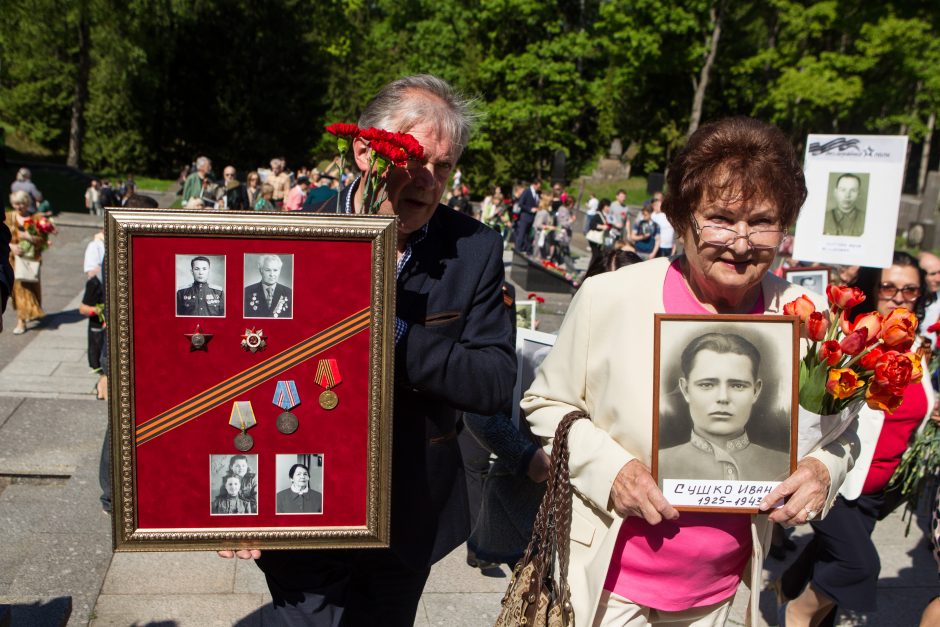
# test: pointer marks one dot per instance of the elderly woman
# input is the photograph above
(734, 190)
(841, 562)
(25, 246)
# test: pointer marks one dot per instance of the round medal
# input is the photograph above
(244, 442)
(198, 340)
(287, 423)
(328, 399)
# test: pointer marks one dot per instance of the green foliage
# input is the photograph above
(243, 81)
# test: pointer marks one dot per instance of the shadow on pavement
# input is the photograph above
(54, 321)
(54, 612)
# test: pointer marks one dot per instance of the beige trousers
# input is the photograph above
(616, 611)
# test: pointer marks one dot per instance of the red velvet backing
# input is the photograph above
(332, 280)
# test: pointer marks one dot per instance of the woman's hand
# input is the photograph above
(242, 554)
(805, 492)
(539, 467)
(935, 414)
(635, 493)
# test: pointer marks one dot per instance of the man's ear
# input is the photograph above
(684, 388)
(361, 152)
(758, 386)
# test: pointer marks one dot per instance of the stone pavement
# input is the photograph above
(55, 552)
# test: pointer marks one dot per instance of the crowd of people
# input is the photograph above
(734, 191)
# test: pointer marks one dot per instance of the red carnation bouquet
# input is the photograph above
(388, 150)
(851, 361)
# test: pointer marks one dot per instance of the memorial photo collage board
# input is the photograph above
(250, 382)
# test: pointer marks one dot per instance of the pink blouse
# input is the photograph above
(696, 560)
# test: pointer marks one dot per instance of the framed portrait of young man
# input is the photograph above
(813, 278)
(288, 413)
(724, 409)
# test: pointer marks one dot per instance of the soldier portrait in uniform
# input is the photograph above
(849, 196)
(200, 281)
(724, 413)
(271, 296)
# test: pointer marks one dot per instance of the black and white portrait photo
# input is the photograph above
(725, 399)
(200, 285)
(269, 280)
(299, 484)
(813, 279)
(233, 484)
(848, 199)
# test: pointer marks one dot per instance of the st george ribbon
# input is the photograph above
(286, 397)
(328, 376)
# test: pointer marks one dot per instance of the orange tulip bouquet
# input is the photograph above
(850, 362)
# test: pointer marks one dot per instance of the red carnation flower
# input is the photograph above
(390, 152)
(342, 129)
(410, 145)
(375, 134)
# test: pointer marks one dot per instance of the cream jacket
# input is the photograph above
(602, 364)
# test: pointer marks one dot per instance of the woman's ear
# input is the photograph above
(684, 388)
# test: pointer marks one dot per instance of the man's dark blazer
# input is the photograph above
(6, 270)
(457, 355)
(528, 201)
(256, 306)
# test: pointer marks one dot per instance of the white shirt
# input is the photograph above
(667, 234)
(930, 316)
(592, 206)
(94, 256)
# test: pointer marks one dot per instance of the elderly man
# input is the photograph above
(280, 181)
(197, 183)
(453, 352)
(199, 299)
(269, 298)
(930, 264)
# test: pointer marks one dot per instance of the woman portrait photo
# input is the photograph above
(230, 502)
(241, 468)
(716, 407)
(303, 494)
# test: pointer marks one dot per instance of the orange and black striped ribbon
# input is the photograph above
(252, 377)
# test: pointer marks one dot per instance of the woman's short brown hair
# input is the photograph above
(735, 159)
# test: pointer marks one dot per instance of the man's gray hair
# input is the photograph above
(202, 162)
(395, 108)
(274, 258)
(23, 174)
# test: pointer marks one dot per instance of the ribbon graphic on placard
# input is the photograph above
(252, 377)
(285, 395)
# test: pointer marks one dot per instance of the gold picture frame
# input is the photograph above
(174, 394)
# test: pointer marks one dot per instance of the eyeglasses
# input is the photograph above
(888, 291)
(760, 239)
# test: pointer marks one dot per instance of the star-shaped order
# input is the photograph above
(253, 341)
(199, 341)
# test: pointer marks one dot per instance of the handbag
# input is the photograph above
(534, 596)
(595, 237)
(26, 270)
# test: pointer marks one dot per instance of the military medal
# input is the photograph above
(286, 397)
(328, 376)
(253, 340)
(198, 341)
(243, 417)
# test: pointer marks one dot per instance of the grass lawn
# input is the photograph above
(635, 187)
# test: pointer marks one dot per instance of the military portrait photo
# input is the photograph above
(724, 401)
(200, 284)
(846, 208)
(299, 484)
(269, 279)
